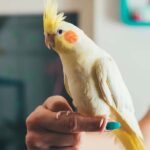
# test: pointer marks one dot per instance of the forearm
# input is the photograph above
(98, 141)
(145, 127)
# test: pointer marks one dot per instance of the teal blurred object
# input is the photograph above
(113, 126)
(127, 13)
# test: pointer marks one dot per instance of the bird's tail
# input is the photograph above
(129, 139)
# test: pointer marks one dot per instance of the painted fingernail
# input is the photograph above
(113, 125)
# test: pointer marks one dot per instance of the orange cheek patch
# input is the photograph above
(70, 36)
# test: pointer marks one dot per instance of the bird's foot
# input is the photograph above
(103, 123)
(68, 113)
(61, 112)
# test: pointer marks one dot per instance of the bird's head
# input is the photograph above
(59, 35)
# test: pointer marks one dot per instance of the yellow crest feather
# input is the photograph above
(51, 18)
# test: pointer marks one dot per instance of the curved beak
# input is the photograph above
(50, 40)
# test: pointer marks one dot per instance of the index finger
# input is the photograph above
(72, 123)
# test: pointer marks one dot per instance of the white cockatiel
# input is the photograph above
(91, 76)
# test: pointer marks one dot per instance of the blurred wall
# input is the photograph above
(84, 7)
(32, 78)
(130, 46)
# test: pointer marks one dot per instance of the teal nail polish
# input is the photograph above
(113, 125)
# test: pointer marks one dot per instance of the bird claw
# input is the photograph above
(103, 123)
(61, 112)
(58, 115)
(68, 113)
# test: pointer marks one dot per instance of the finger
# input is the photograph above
(73, 123)
(76, 122)
(57, 103)
(45, 140)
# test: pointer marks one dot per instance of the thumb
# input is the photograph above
(56, 104)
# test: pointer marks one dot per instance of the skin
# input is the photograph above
(45, 132)
(145, 127)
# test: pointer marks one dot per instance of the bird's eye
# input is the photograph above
(59, 32)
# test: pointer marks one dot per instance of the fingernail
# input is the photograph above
(113, 125)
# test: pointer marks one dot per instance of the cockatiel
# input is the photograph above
(91, 76)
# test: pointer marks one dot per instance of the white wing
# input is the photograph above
(115, 92)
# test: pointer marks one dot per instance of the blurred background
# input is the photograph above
(29, 72)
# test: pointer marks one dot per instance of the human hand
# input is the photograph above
(48, 129)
